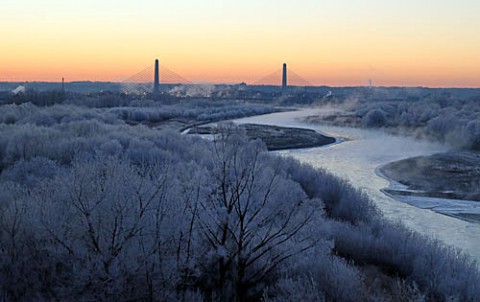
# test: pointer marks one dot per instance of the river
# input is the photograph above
(356, 158)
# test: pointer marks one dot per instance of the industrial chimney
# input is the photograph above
(284, 77)
(156, 81)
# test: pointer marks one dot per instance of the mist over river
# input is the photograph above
(356, 157)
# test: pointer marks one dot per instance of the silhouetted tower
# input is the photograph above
(156, 82)
(63, 84)
(284, 76)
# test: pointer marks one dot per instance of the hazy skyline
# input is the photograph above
(407, 43)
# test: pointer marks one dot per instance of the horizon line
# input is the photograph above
(243, 82)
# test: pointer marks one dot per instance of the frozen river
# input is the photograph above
(357, 158)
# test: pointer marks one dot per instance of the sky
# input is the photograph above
(327, 42)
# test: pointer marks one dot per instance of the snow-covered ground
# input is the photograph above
(357, 159)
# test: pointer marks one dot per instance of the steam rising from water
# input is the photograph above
(197, 90)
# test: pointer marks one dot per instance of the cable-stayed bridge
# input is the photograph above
(144, 81)
(275, 79)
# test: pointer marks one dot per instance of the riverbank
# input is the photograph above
(448, 183)
(356, 160)
(276, 137)
(451, 175)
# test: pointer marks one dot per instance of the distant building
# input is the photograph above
(19, 90)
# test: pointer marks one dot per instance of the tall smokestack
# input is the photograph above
(284, 76)
(156, 82)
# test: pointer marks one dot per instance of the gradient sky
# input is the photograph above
(331, 42)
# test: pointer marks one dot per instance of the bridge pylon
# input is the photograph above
(156, 80)
(284, 77)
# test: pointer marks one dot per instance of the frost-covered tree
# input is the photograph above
(253, 218)
(375, 118)
(471, 134)
(92, 208)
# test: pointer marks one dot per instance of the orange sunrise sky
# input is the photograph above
(337, 43)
